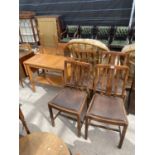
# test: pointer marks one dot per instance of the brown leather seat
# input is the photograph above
(70, 98)
(111, 108)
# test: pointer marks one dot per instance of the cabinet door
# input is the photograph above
(47, 26)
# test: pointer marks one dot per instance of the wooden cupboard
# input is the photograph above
(49, 30)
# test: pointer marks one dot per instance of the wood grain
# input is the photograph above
(41, 143)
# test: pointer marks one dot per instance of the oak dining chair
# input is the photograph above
(107, 104)
(72, 99)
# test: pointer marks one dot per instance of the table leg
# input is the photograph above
(30, 73)
(63, 77)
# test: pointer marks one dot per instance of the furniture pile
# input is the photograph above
(94, 84)
(94, 87)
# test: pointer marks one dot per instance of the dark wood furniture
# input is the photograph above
(86, 31)
(21, 117)
(103, 34)
(42, 143)
(25, 52)
(120, 37)
(72, 99)
(107, 104)
(71, 32)
(28, 30)
(131, 99)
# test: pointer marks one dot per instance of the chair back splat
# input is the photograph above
(107, 104)
(87, 50)
(77, 74)
(111, 80)
(95, 52)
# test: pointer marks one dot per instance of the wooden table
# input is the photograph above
(42, 143)
(47, 62)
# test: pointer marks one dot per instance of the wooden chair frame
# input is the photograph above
(112, 72)
(87, 50)
(21, 117)
(95, 53)
(74, 79)
(130, 50)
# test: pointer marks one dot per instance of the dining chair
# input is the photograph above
(21, 117)
(72, 99)
(130, 49)
(95, 52)
(103, 34)
(70, 32)
(107, 104)
(120, 38)
(86, 31)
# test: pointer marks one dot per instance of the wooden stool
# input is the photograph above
(42, 143)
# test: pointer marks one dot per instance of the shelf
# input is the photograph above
(50, 80)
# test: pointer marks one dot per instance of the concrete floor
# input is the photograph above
(100, 141)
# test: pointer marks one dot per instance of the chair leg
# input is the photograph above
(79, 125)
(21, 117)
(21, 82)
(86, 128)
(122, 136)
(51, 115)
(26, 128)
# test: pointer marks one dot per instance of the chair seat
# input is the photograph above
(64, 40)
(104, 41)
(108, 107)
(70, 98)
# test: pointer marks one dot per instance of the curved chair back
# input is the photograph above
(87, 50)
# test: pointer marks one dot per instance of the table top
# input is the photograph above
(42, 143)
(47, 61)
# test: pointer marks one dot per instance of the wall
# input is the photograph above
(92, 12)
